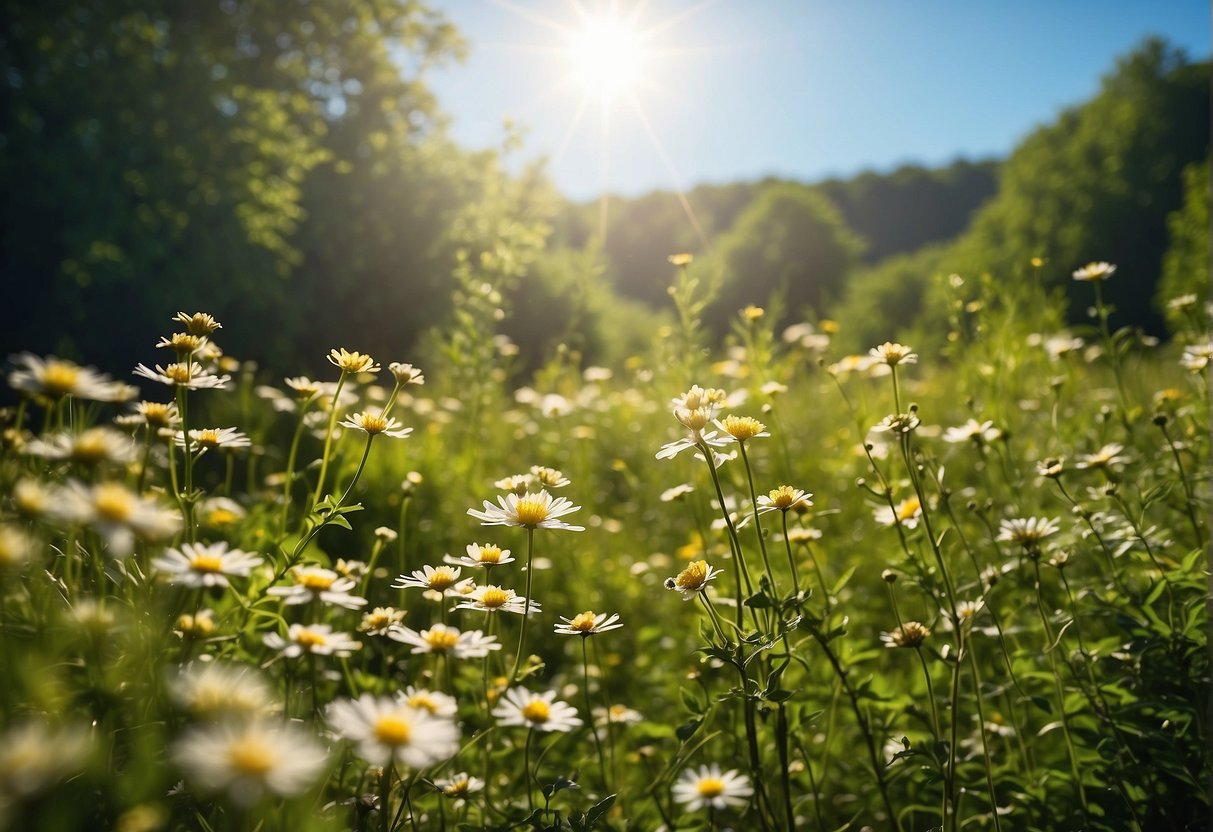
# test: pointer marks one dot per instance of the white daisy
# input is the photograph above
(314, 582)
(906, 513)
(893, 354)
(692, 580)
(1109, 456)
(55, 378)
(191, 376)
(206, 439)
(405, 373)
(530, 511)
(196, 565)
(478, 554)
(436, 578)
(588, 624)
(432, 701)
(314, 639)
(387, 730)
(449, 641)
(972, 430)
(494, 598)
(215, 690)
(374, 424)
(616, 715)
(116, 513)
(677, 492)
(459, 785)
(708, 786)
(352, 362)
(1027, 531)
(247, 759)
(379, 621)
(90, 447)
(1196, 357)
(537, 711)
(1094, 271)
(35, 756)
(784, 498)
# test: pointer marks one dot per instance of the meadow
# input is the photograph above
(765, 586)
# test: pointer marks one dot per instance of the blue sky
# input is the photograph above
(797, 88)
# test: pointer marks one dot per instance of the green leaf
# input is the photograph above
(687, 730)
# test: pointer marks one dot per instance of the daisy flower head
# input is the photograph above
(681, 260)
(373, 423)
(199, 323)
(117, 514)
(352, 362)
(1109, 456)
(972, 431)
(190, 376)
(1094, 271)
(672, 449)
(548, 477)
(909, 634)
(316, 583)
(898, 423)
(692, 580)
(784, 498)
(966, 611)
(709, 787)
(588, 624)
(182, 343)
(245, 760)
(893, 354)
(677, 492)
(482, 554)
(54, 378)
(158, 414)
(313, 639)
(529, 511)
(405, 373)
(742, 428)
(1051, 468)
(433, 702)
(197, 565)
(436, 578)
(448, 641)
(616, 715)
(1028, 532)
(710, 398)
(537, 711)
(459, 786)
(304, 387)
(906, 513)
(218, 690)
(1196, 357)
(494, 598)
(90, 447)
(16, 547)
(379, 621)
(35, 756)
(387, 730)
(207, 439)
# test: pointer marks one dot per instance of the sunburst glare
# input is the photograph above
(607, 54)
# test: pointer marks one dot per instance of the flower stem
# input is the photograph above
(526, 609)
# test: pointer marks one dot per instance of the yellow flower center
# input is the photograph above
(693, 576)
(531, 510)
(177, 373)
(442, 578)
(711, 787)
(536, 711)
(251, 756)
(457, 788)
(392, 730)
(113, 502)
(489, 554)
(183, 342)
(695, 419)
(351, 362)
(206, 563)
(584, 622)
(156, 414)
(742, 428)
(908, 509)
(495, 597)
(373, 424)
(208, 437)
(311, 639)
(783, 497)
(420, 700)
(221, 517)
(441, 640)
(60, 377)
(90, 447)
(315, 580)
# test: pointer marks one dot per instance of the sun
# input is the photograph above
(607, 55)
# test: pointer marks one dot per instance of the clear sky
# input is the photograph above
(740, 89)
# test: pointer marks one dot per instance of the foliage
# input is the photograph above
(1185, 267)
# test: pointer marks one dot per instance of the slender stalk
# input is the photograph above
(1190, 502)
(385, 795)
(985, 751)
(762, 543)
(291, 458)
(589, 711)
(526, 610)
(328, 438)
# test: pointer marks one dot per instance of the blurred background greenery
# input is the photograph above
(285, 167)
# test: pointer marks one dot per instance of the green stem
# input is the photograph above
(328, 438)
(526, 610)
(589, 711)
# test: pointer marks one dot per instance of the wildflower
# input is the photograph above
(1058, 345)
(909, 634)
(433, 702)
(742, 428)
(1094, 271)
(1196, 357)
(588, 624)
(217, 690)
(1051, 468)
(906, 513)
(972, 430)
(189, 376)
(405, 373)
(857, 364)
(158, 414)
(90, 447)
(681, 260)
(436, 578)
(711, 788)
(494, 598)
(753, 313)
(693, 579)
(352, 362)
(803, 534)
(449, 641)
(387, 731)
(1109, 456)
(966, 611)
(537, 711)
(55, 378)
(200, 323)
(530, 511)
(893, 354)
(247, 759)
(313, 639)
(516, 483)
(117, 514)
(35, 756)
(1028, 532)
(213, 438)
(374, 424)
(196, 565)
(16, 547)
(898, 423)
(459, 786)
(677, 492)
(182, 343)
(198, 626)
(314, 582)
(548, 477)
(784, 498)
(616, 715)
(486, 555)
(379, 621)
